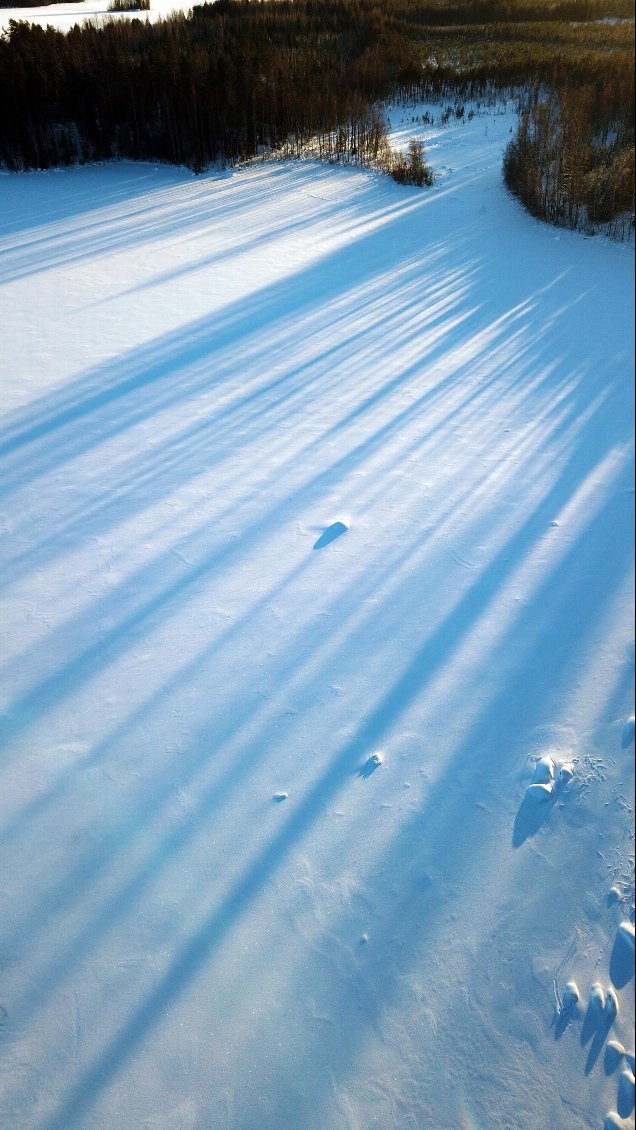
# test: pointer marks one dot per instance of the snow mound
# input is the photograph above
(540, 792)
(614, 1053)
(544, 771)
(625, 1100)
(622, 956)
(335, 530)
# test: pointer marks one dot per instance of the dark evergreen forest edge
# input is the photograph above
(241, 78)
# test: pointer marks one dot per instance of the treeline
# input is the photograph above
(34, 3)
(572, 159)
(239, 78)
(233, 79)
(129, 6)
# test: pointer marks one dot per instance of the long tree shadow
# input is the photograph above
(561, 595)
(241, 421)
(85, 873)
(434, 844)
(137, 207)
(538, 636)
(38, 700)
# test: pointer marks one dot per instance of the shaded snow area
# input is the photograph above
(316, 662)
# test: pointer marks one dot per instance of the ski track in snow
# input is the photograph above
(313, 821)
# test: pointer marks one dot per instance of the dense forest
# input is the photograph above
(239, 78)
(572, 160)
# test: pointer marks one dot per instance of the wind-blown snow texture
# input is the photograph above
(300, 467)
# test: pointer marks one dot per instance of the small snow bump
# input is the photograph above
(543, 771)
(611, 1004)
(625, 1093)
(335, 530)
(597, 997)
(614, 1053)
(626, 933)
(279, 797)
(370, 765)
(566, 773)
(571, 995)
(540, 791)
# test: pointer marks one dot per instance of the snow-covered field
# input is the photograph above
(65, 15)
(300, 467)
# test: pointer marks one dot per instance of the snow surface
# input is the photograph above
(65, 16)
(317, 513)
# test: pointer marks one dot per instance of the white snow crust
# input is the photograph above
(201, 375)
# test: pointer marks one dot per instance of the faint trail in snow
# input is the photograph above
(459, 560)
(181, 557)
(77, 1025)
